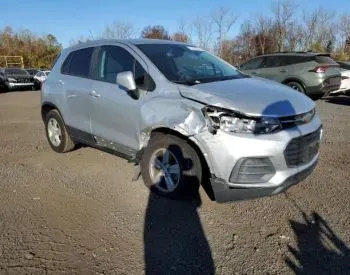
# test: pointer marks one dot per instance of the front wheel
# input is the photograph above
(171, 167)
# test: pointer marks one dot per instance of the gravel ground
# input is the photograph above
(80, 213)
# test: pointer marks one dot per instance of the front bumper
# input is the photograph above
(223, 150)
(224, 193)
(12, 85)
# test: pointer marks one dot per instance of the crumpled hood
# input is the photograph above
(251, 96)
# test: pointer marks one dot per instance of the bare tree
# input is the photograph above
(185, 29)
(294, 36)
(283, 14)
(263, 28)
(223, 20)
(245, 40)
(203, 29)
(343, 27)
(317, 29)
(118, 30)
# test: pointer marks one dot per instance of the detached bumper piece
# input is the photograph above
(223, 193)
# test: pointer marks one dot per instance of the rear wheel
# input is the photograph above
(56, 133)
(296, 86)
(171, 167)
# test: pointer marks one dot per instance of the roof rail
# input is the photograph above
(309, 51)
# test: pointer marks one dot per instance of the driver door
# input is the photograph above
(115, 115)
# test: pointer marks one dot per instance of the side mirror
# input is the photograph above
(126, 81)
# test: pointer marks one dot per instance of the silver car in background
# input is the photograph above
(185, 116)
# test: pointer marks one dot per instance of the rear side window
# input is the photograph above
(322, 59)
(273, 61)
(252, 64)
(295, 59)
(78, 63)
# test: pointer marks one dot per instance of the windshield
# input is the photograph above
(187, 64)
(16, 71)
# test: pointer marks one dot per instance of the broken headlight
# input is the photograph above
(230, 121)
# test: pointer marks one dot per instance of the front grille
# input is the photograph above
(302, 150)
(24, 80)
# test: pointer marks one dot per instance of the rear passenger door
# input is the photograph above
(273, 69)
(77, 85)
(115, 114)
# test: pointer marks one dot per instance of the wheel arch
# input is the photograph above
(47, 107)
(205, 162)
(294, 79)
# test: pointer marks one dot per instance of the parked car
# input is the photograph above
(345, 78)
(14, 78)
(39, 78)
(313, 74)
(141, 100)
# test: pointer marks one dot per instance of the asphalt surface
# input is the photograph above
(80, 213)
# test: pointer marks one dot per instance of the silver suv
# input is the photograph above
(185, 116)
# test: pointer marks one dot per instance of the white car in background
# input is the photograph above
(39, 78)
(345, 78)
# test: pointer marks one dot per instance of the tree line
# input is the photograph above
(37, 51)
(286, 27)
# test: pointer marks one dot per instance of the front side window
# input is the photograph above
(187, 64)
(114, 60)
(252, 64)
(78, 63)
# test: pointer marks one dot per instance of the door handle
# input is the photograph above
(254, 73)
(94, 94)
(283, 71)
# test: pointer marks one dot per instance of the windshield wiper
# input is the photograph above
(187, 82)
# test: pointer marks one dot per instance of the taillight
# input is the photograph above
(320, 69)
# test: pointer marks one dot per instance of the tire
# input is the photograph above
(296, 86)
(183, 167)
(56, 133)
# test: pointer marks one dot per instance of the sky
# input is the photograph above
(71, 19)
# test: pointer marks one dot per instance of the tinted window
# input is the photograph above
(322, 59)
(114, 60)
(252, 64)
(272, 61)
(32, 72)
(78, 62)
